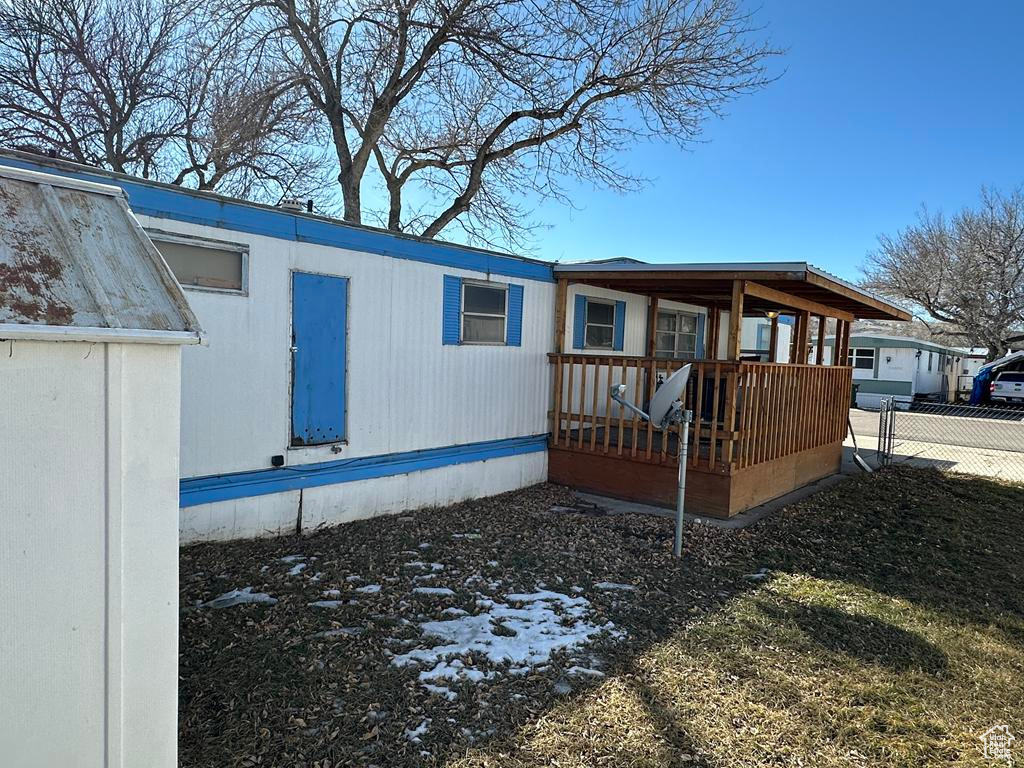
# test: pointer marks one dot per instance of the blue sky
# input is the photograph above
(882, 106)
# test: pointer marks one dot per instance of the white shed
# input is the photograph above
(91, 328)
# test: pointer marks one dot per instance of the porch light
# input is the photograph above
(771, 314)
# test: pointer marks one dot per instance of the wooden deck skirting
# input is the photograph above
(786, 421)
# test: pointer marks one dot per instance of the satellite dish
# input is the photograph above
(667, 409)
(671, 391)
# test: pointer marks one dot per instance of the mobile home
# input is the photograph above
(351, 372)
(904, 368)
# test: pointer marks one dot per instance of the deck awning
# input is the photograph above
(767, 286)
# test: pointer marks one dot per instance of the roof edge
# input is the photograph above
(34, 332)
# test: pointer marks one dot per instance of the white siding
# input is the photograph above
(88, 555)
(405, 390)
(327, 505)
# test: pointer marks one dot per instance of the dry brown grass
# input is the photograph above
(889, 630)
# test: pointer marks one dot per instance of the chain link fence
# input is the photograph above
(977, 440)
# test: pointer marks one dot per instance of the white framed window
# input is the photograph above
(675, 334)
(863, 358)
(599, 324)
(204, 265)
(484, 312)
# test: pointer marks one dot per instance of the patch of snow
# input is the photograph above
(353, 577)
(341, 631)
(316, 576)
(584, 672)
(239, 597)
(425, 566)
(327, 603)
(432, 591)
(292, 558)
(331, 593)
(576, 589)
(416, 733)
(492, 563)
(441, 690)
(297, 569)
(610, 585)
(454, 612)
(467, 536)
(369, 589)
(542, 623)
(425, 545)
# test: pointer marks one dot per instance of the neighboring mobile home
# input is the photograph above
(904, 368)
(353, 372)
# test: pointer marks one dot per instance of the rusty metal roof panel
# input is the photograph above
(72, 255)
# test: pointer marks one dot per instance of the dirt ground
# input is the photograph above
(878, 622)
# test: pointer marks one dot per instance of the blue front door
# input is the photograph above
(319, 309)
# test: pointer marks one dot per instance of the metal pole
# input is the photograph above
(677, 548)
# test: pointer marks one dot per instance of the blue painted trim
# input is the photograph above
(619, 335)
(514, 337)
(787, 319)
(451, 310)
(579, 320)
(240, 485)
(168, 202)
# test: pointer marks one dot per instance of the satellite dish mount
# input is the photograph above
(667, 409)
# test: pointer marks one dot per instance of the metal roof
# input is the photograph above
(75, 263)
(711, 282)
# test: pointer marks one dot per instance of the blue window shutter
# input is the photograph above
(579, 319)
(452, 303)
(699, 346)
(514, 336)
(620, 326)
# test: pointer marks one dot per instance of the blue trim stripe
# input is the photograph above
(179, 204)
(451, 310)
(514, 337)
(240, 485)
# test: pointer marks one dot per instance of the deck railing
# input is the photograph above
(743, 413)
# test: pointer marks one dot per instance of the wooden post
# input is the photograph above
(846, 343)
(803, 337)
(837, 344)
(561, 293)
(819, 355)
(773, 344)
(714, 334)
(652, 326)
(794, 334)
(735, 321)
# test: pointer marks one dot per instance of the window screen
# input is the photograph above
(600, 325)
(676, 335)
(484, 310)
(203, 266)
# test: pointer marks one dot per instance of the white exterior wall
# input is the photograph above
(275, 514)
(405, 390)
(88, 555)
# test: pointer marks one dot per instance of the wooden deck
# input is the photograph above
(760, 430)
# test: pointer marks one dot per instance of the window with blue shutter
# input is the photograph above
(481, 312)
(598, 324)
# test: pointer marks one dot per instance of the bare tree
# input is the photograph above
(466, 106)
(155, 88)
(965, 273)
